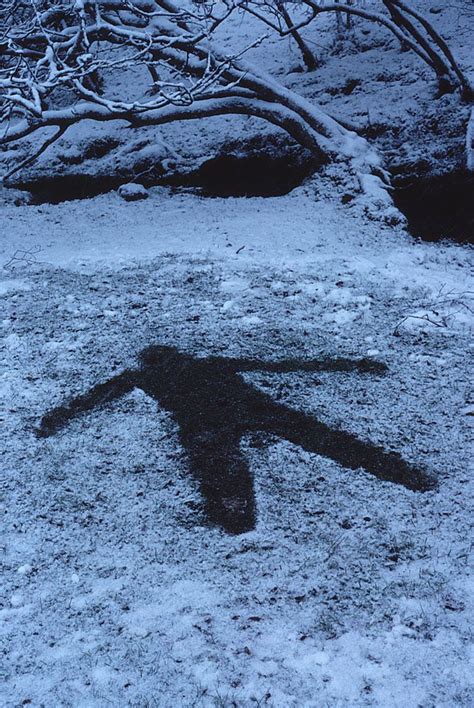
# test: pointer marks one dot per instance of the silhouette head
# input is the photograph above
(158, 355)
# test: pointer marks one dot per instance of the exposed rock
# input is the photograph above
(132, 192)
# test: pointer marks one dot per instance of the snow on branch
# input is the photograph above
(410, 27)
(147, 62)
(70, 47)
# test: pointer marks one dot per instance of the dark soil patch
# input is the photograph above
(438, 207)
(214, 407)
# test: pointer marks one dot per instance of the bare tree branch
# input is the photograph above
(54, 57)
(31, 158)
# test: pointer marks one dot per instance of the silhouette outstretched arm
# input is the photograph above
(361, 366)
(97, 396)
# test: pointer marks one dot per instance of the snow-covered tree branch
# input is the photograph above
(146, 62)
(413, 30)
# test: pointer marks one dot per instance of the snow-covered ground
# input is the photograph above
(350, 591)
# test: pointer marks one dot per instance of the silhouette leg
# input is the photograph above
(345, 448)
(224, 478)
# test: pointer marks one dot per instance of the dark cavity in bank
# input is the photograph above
(251, 176)
(55, 189)
(254, 175)
(438, 206)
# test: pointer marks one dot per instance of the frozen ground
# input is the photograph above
(350, 591)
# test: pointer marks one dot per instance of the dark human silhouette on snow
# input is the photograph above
(214, 407)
